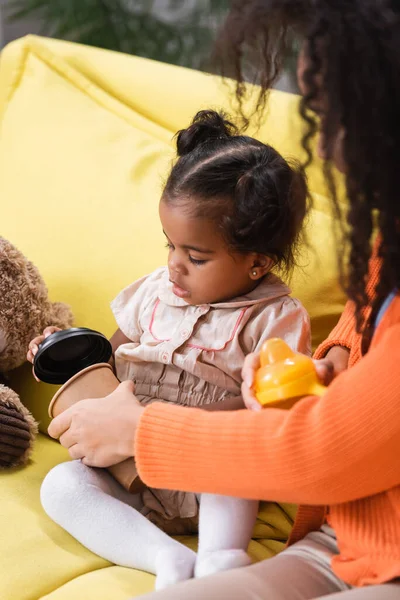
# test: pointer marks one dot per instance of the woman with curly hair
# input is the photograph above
(337, 456)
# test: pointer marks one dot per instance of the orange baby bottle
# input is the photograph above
(284, 376)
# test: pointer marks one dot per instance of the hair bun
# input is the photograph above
(206, 126)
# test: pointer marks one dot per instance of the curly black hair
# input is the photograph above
(353, 55)
(256, 198)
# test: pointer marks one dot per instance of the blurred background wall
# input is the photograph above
(175, 31)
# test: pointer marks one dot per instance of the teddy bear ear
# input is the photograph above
(61, 315)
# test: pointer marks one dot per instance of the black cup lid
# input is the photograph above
(65, 353)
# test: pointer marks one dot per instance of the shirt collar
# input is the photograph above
(270, 288)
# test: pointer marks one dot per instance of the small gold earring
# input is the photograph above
(254, 273)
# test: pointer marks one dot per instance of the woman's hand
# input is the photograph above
(336, 361)
(100, 431)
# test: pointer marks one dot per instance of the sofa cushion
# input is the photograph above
(86, 141)
(40, 560)
(38, 557)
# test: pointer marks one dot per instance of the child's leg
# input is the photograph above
(225, 528)
(103, 516)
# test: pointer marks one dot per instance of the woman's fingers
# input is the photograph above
(76, 452)
(325, 370)
(67, 439)
(61, 423)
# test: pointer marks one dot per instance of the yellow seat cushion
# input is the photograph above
(86, 141)
(38, 557)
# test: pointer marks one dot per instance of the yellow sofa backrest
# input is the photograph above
(86, 141)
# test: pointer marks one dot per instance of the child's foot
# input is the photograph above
(209, 563)
(173, 565)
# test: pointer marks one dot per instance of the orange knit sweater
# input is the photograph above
(339, 451)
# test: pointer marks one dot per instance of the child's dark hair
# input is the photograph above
(256, 198)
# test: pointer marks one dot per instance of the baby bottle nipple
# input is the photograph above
(284, 376)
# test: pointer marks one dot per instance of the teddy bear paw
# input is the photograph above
(17, 430)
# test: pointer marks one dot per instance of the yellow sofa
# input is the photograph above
(86, 141)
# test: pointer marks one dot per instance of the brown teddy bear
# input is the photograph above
(25, 310)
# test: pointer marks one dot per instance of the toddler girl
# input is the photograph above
(231, 211)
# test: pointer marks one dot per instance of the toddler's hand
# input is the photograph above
(35, 343)
(250, 366)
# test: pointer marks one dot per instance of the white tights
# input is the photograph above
(104, 517)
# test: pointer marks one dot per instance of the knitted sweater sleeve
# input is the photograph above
(323, 451)
(345, 334)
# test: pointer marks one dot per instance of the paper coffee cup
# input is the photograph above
(96, 381)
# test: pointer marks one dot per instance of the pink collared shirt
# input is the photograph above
(193, 355)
